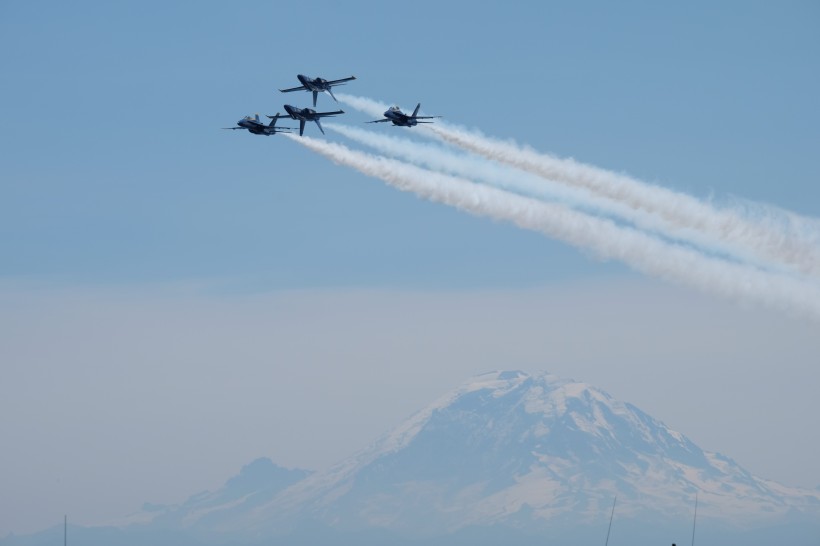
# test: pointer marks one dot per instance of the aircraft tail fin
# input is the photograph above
(416, 111)
(301, 127)
(257, 117)
(315, 94)
(319, 125)
(274, 119)
(330, 92)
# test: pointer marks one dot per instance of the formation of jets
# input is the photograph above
(316, 86)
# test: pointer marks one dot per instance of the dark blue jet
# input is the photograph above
(256, 127)
(317, 85)
(401, 119)
(308, 114)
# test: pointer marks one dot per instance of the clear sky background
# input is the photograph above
(177, 300)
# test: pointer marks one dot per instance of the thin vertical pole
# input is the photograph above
(695, 519)
(610, 520)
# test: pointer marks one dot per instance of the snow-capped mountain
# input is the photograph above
(521, 450)
(506, 455)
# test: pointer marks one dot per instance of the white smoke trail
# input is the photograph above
(478, 169)
(601, 236)
(438, 158)
(362, 104)
(786, 239)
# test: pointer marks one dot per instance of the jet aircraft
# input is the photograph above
(308, 114)
(401, 119)
(317, 85)
(255, 126)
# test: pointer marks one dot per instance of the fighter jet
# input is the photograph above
(308, 114)
(256, 127)
(399, 118)
(316, 85)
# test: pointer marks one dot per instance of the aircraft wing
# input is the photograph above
(378, 121)
(300, 88)
(325, 114)
(234, 128)
(427, 117)
(339, 82)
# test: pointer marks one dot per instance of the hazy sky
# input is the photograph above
(177, 300)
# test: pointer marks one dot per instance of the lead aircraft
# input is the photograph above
(401, 119)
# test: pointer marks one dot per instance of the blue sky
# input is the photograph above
(131, 180)
(117, 185)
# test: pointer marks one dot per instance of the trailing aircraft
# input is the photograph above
(395, 115)
(255, 126)
(308, 114)
(317, 85)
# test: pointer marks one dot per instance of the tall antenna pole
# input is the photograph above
(610, 520)
(695, 519)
